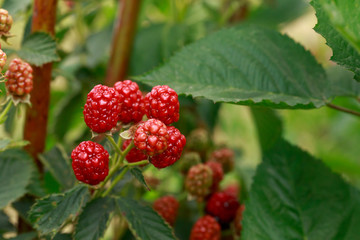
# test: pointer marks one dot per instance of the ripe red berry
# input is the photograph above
(132, 105)
(238, 220)
(233, 189)
(19, 78)
(162, 103)
(151, 137)
(199, 180)
(222, 206)
(2, 59)
(134, 155)
(167, 207)
(102, 109)
(176, 143)
(5, 22)
(206, 228)
(218, 174)
(90, 162)
(224, 156)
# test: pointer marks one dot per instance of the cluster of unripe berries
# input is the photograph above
(19, 78)
(203, 175)
(108, 107)
(222, 208)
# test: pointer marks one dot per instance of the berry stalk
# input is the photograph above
(113, 143)
(116, 180)
(122, 41)
(114, 168)
(44, 16)
(121, 175)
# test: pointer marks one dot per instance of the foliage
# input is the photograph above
(216, 55)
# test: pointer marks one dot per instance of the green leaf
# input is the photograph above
(164, 41)
(295, 196)
(11, 143)
(5, 224)
(278, 11)
(25, 236)
(68, 113)
(269, 126)
(94, 219)
(342, 82)
(23, 206)
(248, 65)
(36, 186)
(144, 222)
(15, 6)
(59, 165)
(137, 173)
(39, 48)
(49, 214)
(98, 45)
(15, 173)
(338, 23)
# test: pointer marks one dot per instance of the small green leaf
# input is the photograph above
(39, 48)
(342, 82)
(49, 214)
(10, 143)
(59, 165)
(295, 196)
(15, 6)
(94, 219)
(36, 186)
(248, 65)
(23, 206)
(338, 23)
(5, 224)
(25, 236)
(269, 126)
(164, 40)
(68, 113)
(62, 236)
(278, 11)
(144, 222)
(98, 45)
(137, 173)
(15, 174)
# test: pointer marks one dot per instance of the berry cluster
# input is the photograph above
(204, 169)
(109, 108)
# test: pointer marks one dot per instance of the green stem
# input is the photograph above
(113, 143)
(137, 163)
(5, 112)
(116, 180)
(115, 168)
(342, 109)
(126, 151)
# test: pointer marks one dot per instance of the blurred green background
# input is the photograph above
(84, 31)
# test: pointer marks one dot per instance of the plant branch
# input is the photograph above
(116, 180)
(137, 163)
(35, 131)
(5, 112)
(113, 143)
(123, 36)
(342, 109)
